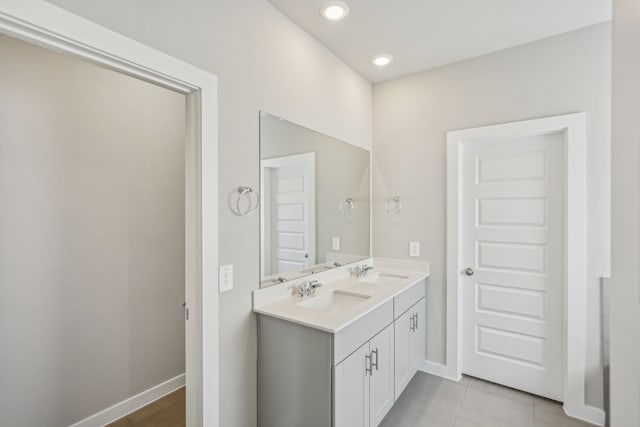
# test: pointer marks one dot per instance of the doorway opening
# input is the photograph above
(93, 184)
(43, 24)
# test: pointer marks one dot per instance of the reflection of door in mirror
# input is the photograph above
(288, 211)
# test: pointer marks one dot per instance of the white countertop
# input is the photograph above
(334, 320)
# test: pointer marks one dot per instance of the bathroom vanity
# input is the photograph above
(340, 357)
(337, 344)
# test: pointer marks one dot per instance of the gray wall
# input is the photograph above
(263, 62)
(563, 74)
(91, 237)
(342, 170)
(625, 283)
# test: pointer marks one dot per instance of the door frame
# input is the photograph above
(265, 205)
(43, 24)
(573, 126)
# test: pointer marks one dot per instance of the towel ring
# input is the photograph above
(393, 205)
(346, 206)
(244, 191)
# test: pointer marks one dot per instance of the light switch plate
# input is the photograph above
(226, 277)
(414, 248)
(335, 243)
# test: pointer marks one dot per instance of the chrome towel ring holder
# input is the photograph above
(246, 192)
(346, 206)
(393, 205)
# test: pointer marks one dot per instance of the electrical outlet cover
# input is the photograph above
(335, 243)
(226, 277)
(414, 248)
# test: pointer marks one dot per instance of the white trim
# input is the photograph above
(433, 368)
(53, 28)
(574, 128)
(132, 404)
(587, 413)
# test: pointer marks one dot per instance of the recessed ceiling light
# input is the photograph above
(382, 60)
(334, 11)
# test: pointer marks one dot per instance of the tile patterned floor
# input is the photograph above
(427, 401)
(436, 402)
(168, 411)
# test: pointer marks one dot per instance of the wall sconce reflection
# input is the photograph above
(393, 205)
(346, 206)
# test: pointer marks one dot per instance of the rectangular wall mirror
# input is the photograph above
(315, 201)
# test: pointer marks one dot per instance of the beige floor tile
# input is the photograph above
(435, 394)
(548, 413)
(484, 409)
(427, 401)
(425, 418)
(462, 422)
(465, 380)
(509, 393)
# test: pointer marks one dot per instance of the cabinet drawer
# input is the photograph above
(408, 298)
(362, 330)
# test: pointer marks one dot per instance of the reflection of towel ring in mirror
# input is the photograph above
(244, 191)
(346, 206)
(393, 205)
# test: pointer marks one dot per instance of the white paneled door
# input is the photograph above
(289, 206)
(513, 287)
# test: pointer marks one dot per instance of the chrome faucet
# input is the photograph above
(307, 289)
(361, 270)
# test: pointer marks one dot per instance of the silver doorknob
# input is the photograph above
(468, 271)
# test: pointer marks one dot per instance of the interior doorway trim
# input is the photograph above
(43, 24)
(573, 127)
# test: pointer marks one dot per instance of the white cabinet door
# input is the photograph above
(418, 337)
(382, 371)
(351, 390)
(403, 358)
(409, 345)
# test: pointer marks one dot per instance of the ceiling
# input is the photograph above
(424, 34)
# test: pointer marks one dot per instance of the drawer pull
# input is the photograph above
(374, 364)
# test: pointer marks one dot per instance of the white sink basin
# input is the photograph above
(333, 301)
(379, 278)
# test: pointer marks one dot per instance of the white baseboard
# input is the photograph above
(587, 413)
(436, 369)
(132, 404)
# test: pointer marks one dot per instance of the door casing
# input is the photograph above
(573, 128)
(53, 28)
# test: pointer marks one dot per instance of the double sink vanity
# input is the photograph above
(336, 349)
(340, 334)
